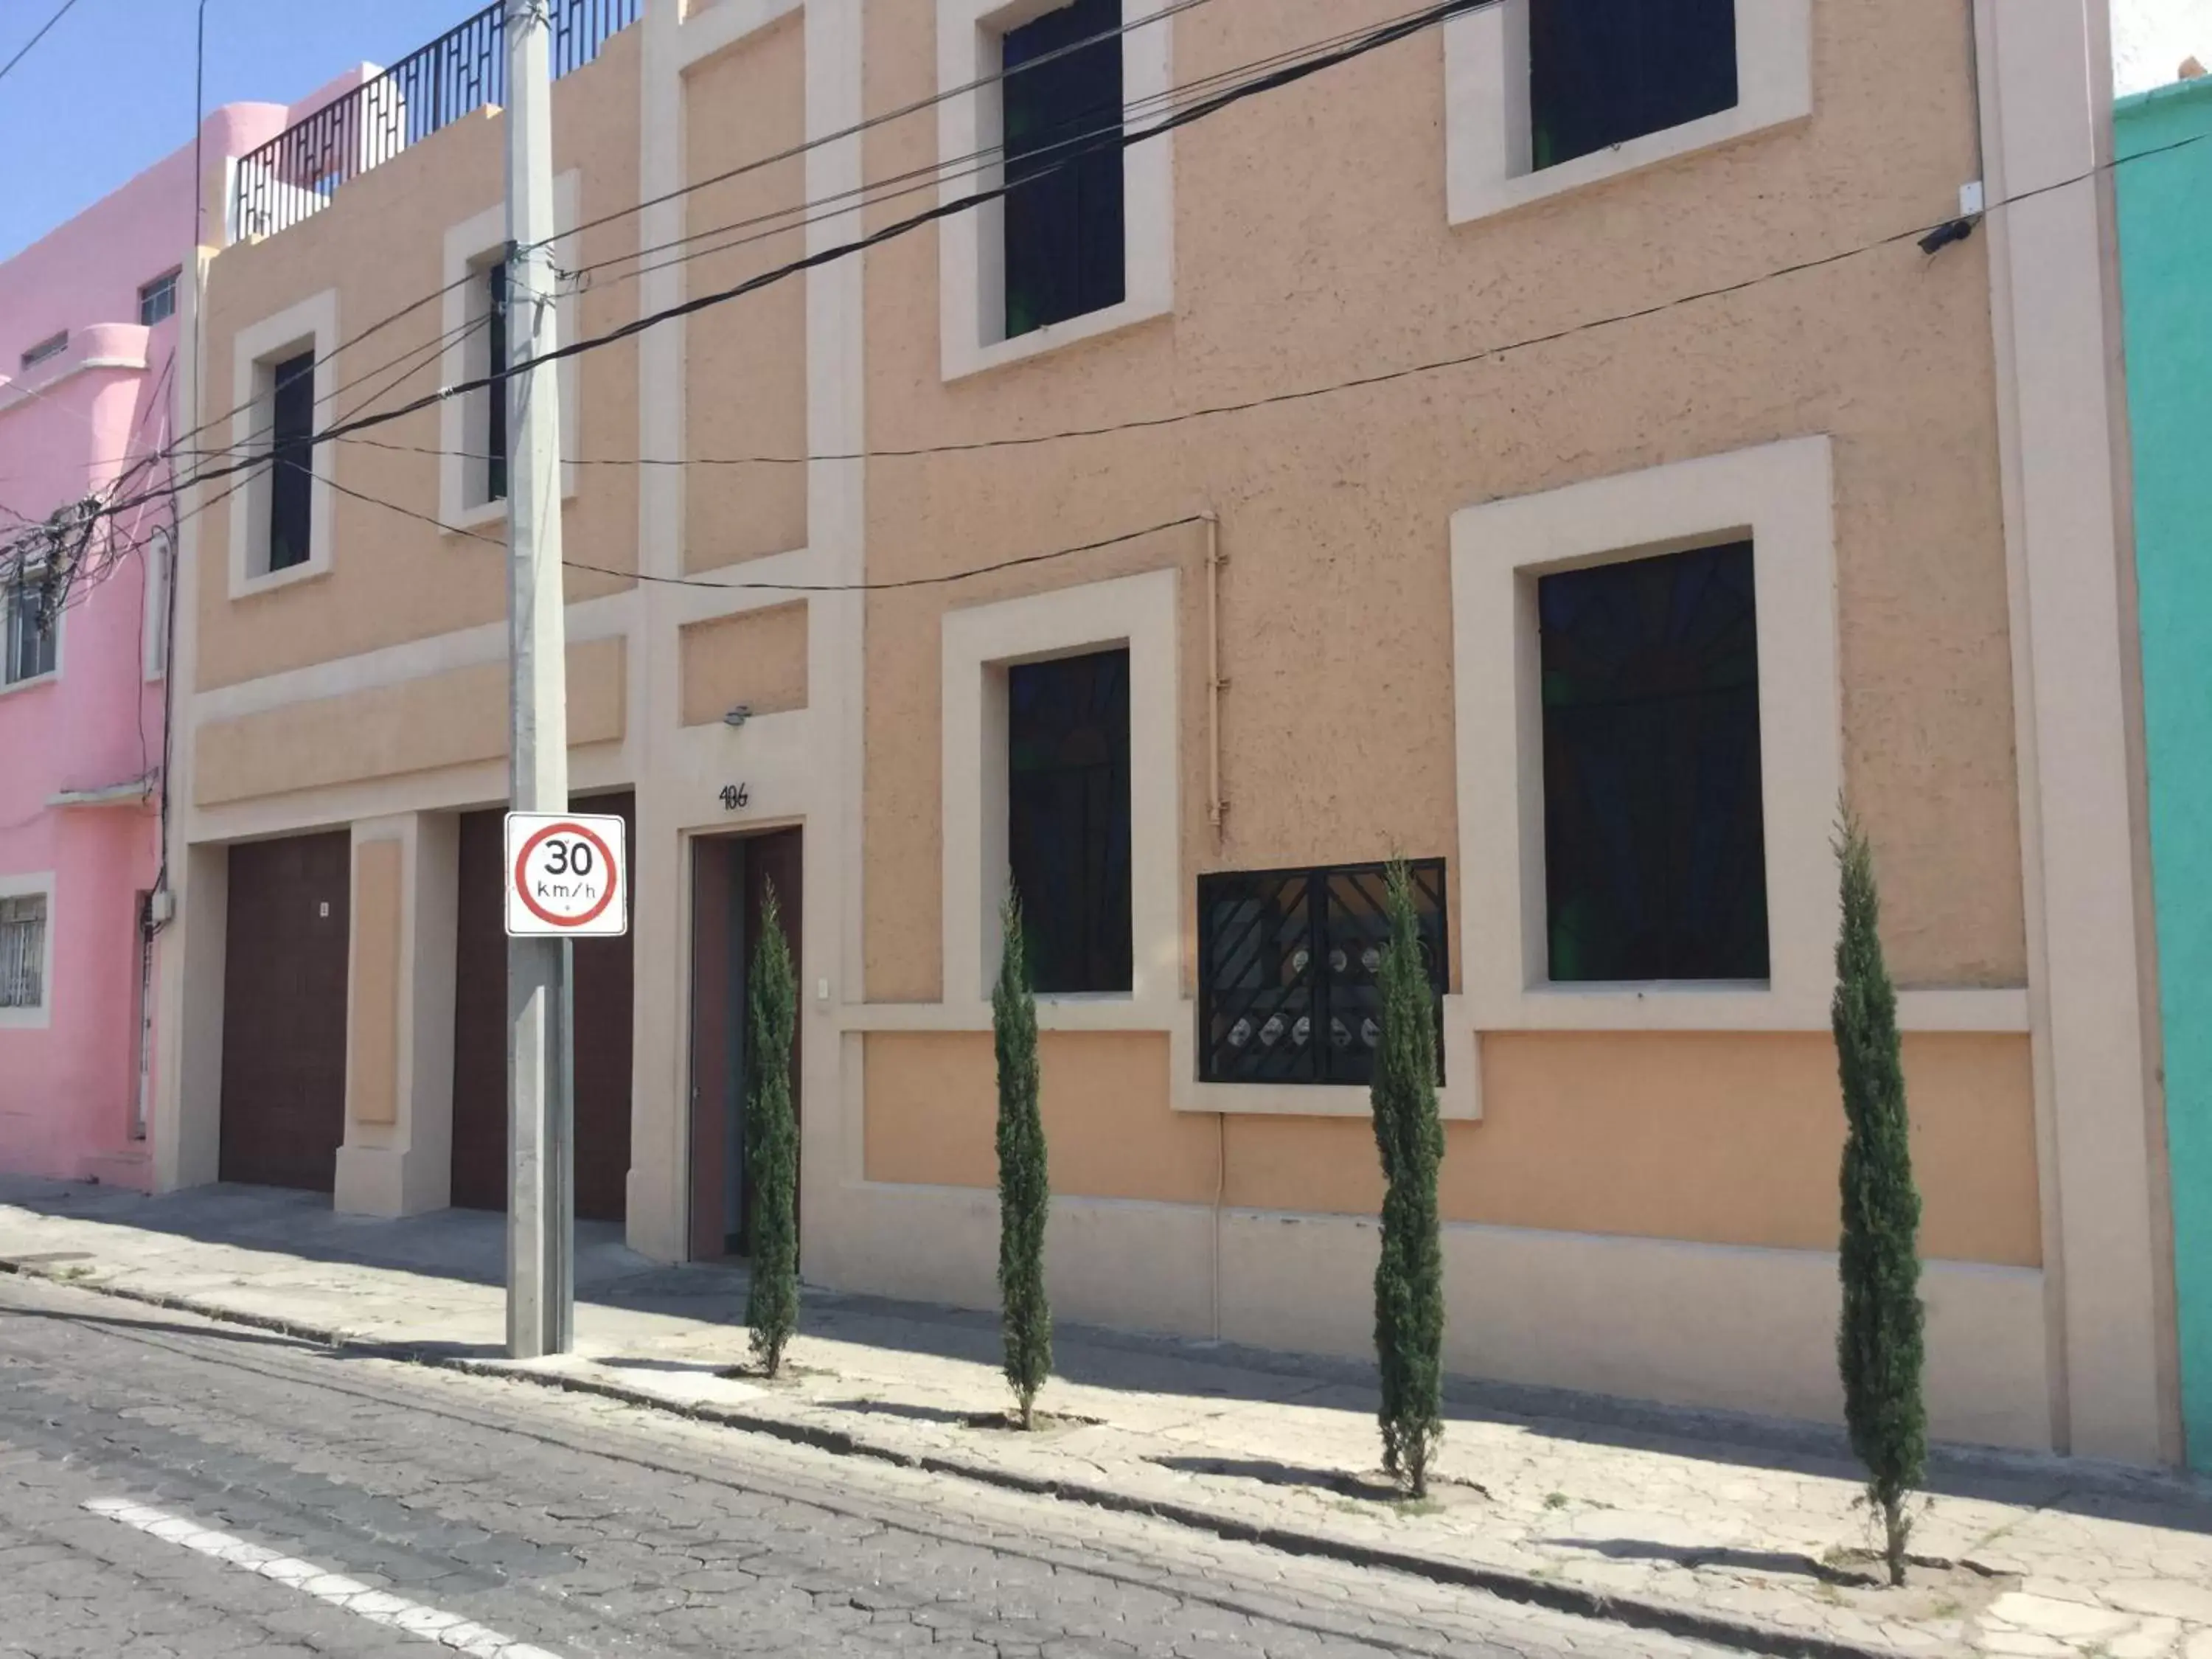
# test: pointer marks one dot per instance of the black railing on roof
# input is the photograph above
(295, 174)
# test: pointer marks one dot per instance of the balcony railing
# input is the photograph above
(295, 173)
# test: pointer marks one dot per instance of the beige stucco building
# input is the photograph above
(1297, 491)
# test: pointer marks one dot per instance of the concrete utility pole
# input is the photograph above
(540, 1074)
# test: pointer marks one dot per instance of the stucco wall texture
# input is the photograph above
(1312, 246)
(380, 247)
(2166, 262)
(70, 426)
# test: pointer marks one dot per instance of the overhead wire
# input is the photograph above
(853, 130)
(43, 29)
(940, 579)
(1371, 40)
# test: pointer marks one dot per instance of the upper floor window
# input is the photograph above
(1289, 965)
(494, 395)
(291, 457)
(1067, 818)
(52, 346)
(30, 640)
(23, 951)
(1601, 72)
(157, 301)
(1062, 103)
(1654, 857)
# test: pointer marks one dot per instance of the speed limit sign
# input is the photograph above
(567, 875)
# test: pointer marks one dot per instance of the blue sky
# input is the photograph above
(109, 91)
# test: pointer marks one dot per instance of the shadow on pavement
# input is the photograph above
(469, 1247)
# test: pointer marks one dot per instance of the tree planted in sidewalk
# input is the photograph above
(772, 1295)
(1878, 1339)
(1409, 1278)
(1024, 1191)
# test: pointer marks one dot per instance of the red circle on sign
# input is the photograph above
(522, 880)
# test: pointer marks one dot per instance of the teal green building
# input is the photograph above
(2164, 181)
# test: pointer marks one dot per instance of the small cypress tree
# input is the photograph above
(1878, 1341)
(1409, 1278)
(1024, 1191)
(772, 1295)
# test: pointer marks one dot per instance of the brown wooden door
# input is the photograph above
(731, 875)
(602, 1036)
(284, 1011)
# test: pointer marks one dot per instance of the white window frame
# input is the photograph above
(471, 248)
(7, 604)
(312, 326)
(971, 245)
(980, 644)
(159, 555)
(1780, 496)
(1486, 114)
(168, 279)
(35, 884)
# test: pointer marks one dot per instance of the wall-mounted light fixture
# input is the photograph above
(739, 715)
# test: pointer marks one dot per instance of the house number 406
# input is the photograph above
(735, 796)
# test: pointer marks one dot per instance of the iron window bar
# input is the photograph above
(294, 175)
(1288, 991)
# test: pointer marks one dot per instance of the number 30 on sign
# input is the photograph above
(567, 875)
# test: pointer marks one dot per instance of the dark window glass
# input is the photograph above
(291, 473)
(1601, 72)
(1287, 965)
(1063, 212)
(495, 393)
(157, 301)
(33, 638)
(1655, 855)
(1067, 819)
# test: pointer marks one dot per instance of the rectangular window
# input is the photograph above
(1068, 818)
(1287, 966)
(23, 951)
(52, 346)
(157, 301)
(1655, 854)
(1601, 72)
(1065, 231)
(291, 477)
(495, 393)
(31, 639)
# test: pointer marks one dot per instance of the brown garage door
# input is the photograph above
(284, 1011)
(602, 1042)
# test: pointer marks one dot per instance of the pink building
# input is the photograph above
(90, 320)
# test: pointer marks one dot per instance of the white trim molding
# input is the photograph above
(471, 247)
(980, 643)
(971, 246)
(310, 326)
(1780, 496)
(1488, 167)
(37, 883)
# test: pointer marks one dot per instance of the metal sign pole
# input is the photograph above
(540, 1234)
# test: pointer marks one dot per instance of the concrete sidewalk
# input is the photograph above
(1727, 1528)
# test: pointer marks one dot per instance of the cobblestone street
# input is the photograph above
(584, 1527)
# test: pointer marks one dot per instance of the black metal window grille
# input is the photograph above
(495, 394)
(52, 346)
(157, 301)
(1064, 233)
(295, 173)
(1288, 961)
(1601, 72)
(1068, 818)
(1655, 854)
(291, 460)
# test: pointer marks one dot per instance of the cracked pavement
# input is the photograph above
(590, 1527)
